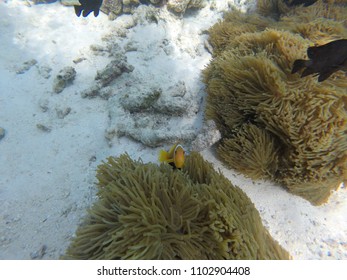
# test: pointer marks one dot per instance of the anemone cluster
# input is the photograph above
(274, 124)
(146, 211)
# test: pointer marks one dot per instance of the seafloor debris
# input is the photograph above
(64, 78)
(43, 104)
(98, 91)
(45, 71)
(39, 254)
(208, 135)
(180, 6)
(26, 66)
(145, 104)
(62, 112)
(113, 8)
(138, 100)
(2, 133)
(151, 115)
(113, 70)
(43, 127)
(106, 76)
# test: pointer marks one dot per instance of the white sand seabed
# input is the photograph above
(47, 178)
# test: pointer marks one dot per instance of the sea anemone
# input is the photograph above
(146, 211)
(274, 124)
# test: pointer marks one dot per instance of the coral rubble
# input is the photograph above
(64, 78)
(113, 70)
(180, 6)
(160, 100)
(26, 66)
(114, 8)
(2, 133)
(274, 124)
(149, 114)
(146, 211)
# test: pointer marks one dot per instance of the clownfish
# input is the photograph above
(174, 157)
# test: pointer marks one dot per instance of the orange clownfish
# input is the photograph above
(174, 157)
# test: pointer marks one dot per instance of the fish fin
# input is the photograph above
(323, 76)
(163, 156)
(78, 10)
(86, 13)
(298, 64)
(308, 71)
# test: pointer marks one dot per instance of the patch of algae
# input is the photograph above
(146, 211)
(274, 124)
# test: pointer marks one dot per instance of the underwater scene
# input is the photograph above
(173, 129)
